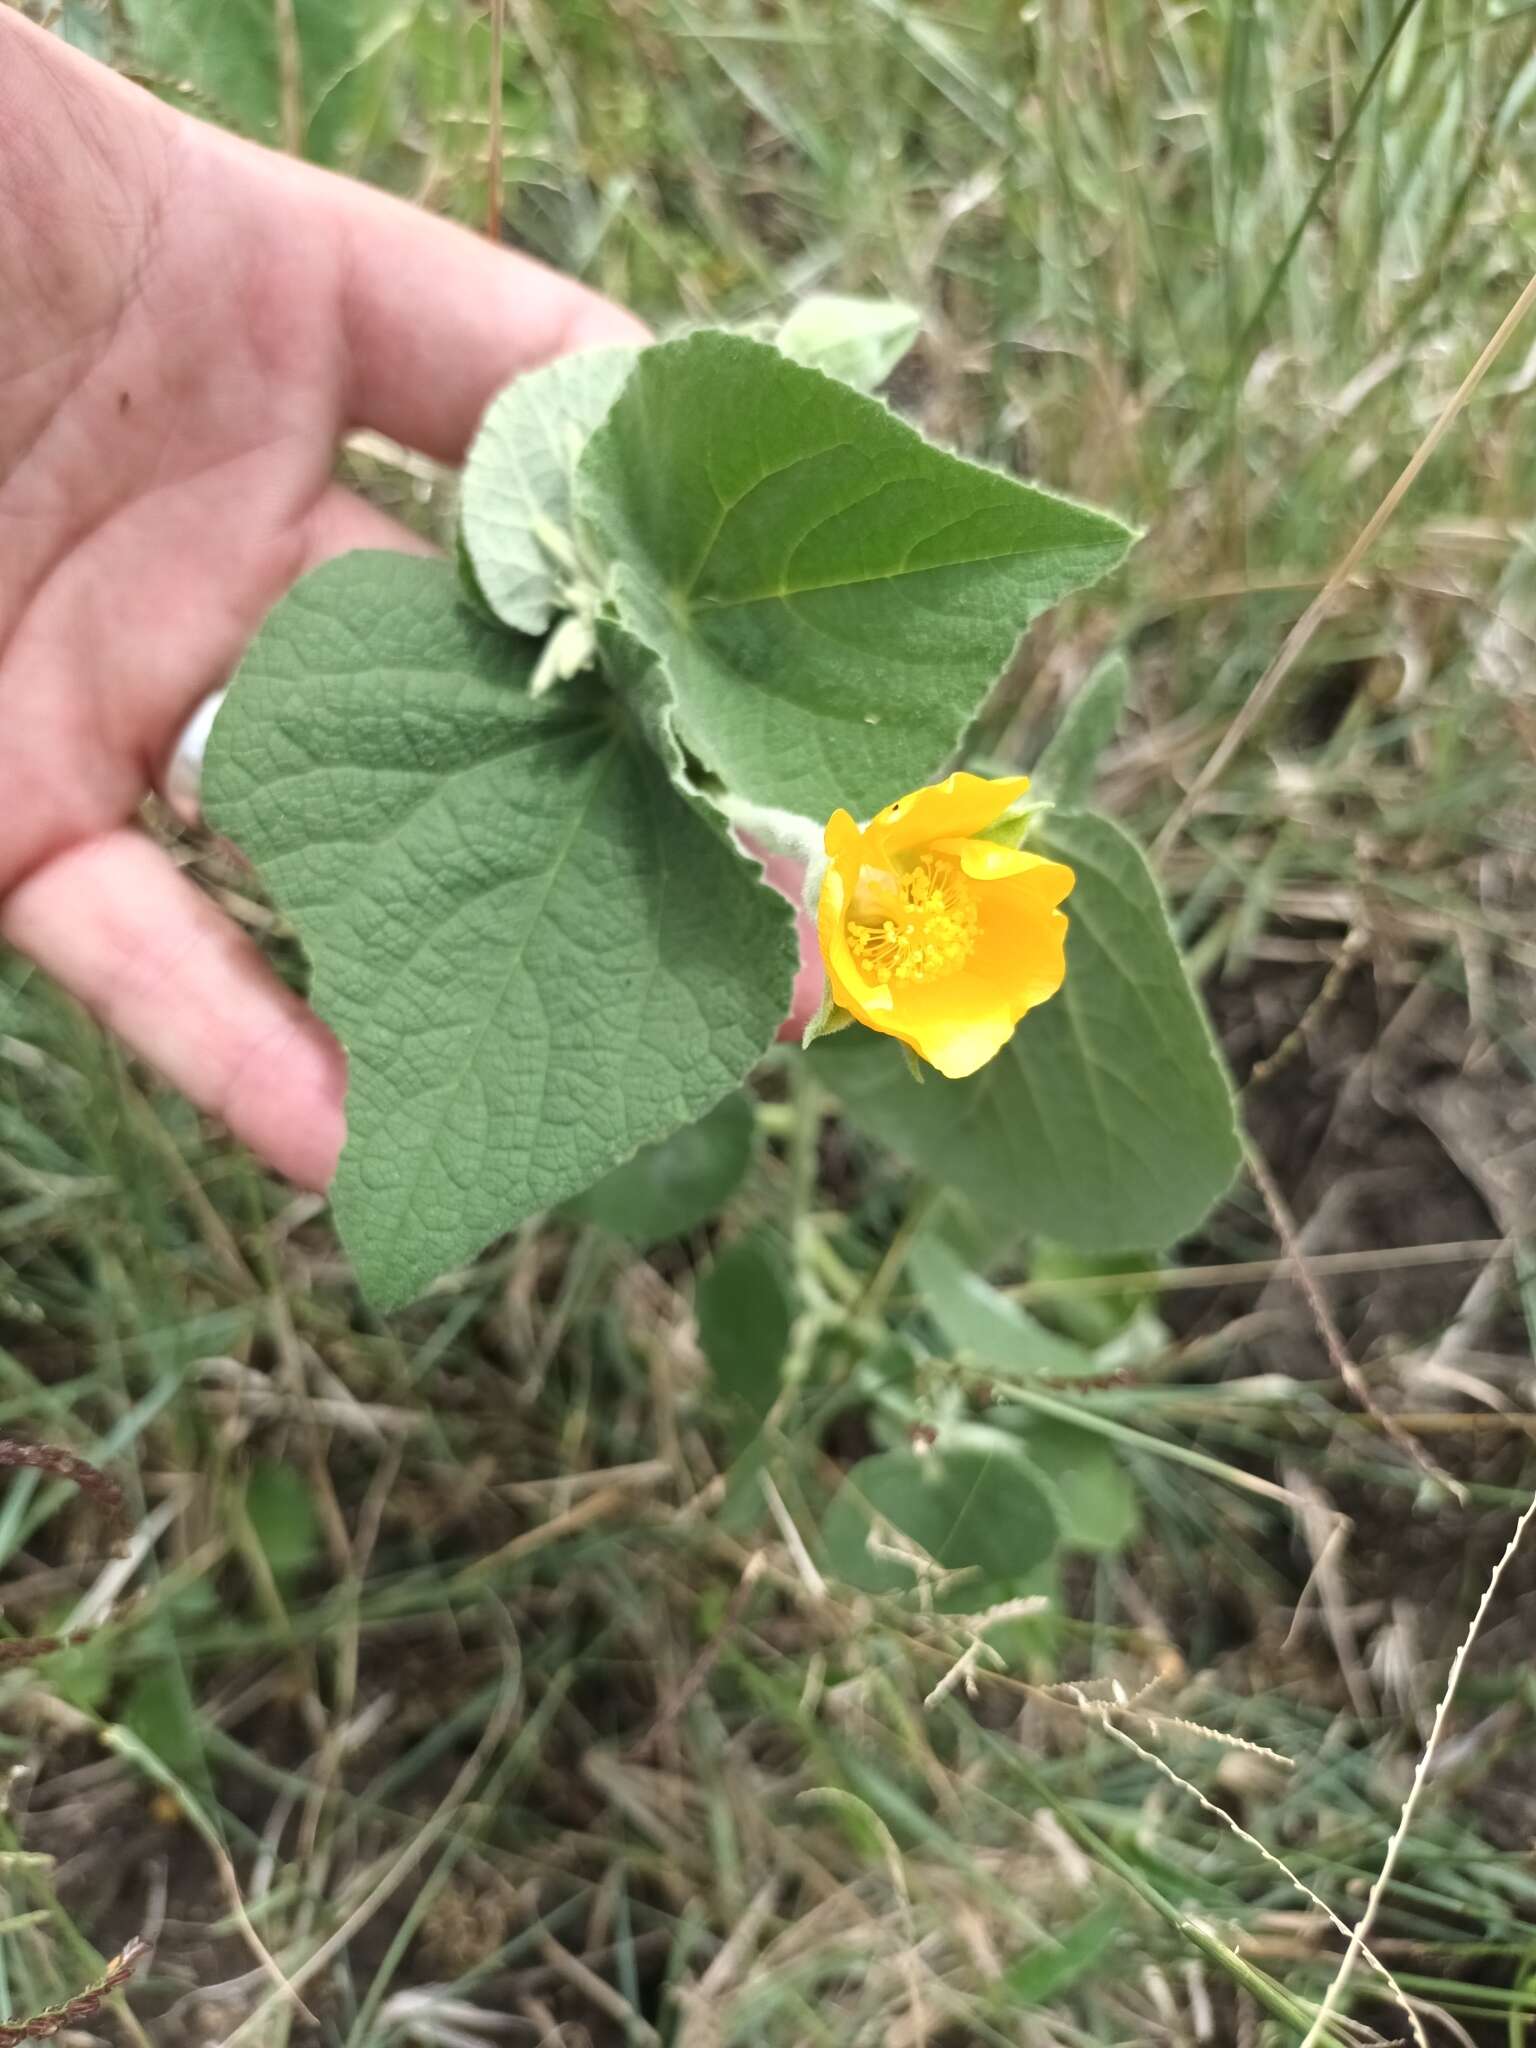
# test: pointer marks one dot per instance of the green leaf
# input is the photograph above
(859, 340)
(84, 1673)
(985, 1327)
(160, 1711)
(890, 1364)
(1045, 1972)
(971, 1502)
(228, 55)
(1108, 1120)
(1095, 1501)
(669, 1188)
(1088, 1316)
(515, 510)
(537, 956)
(280, 1506)
(830, 597)
(978, 1237)
(1064, 772)
(745, 1313)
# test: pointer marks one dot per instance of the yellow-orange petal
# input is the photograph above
(956, 1024)
(841, 837)
(1021, 952)
(957, 808)
(1025, 878)
(865, 999)
(983, 860)
(956, 1021)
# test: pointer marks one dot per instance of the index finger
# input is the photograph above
(433, 320)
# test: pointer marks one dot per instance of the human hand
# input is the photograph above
(188, 326)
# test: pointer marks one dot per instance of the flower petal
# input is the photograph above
(1035, 880)
(1020, 950)
(982, 860)
(957, 808)
(865, 999)
(842, 836)
(958, 1021)
(956, 1024)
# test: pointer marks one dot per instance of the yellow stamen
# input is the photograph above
(918, 926)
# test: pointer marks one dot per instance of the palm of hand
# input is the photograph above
(187, 327)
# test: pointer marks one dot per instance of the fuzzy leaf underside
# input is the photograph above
(859, 340)
(518, 478)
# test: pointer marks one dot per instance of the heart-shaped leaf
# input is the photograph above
(830, 596)
(971, 1503)
(537, 955)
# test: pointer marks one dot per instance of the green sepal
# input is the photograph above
(830, 1018)
(1015, 827)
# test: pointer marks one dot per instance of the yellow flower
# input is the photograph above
(935, 936)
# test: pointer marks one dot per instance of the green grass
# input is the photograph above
(437, 1632)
